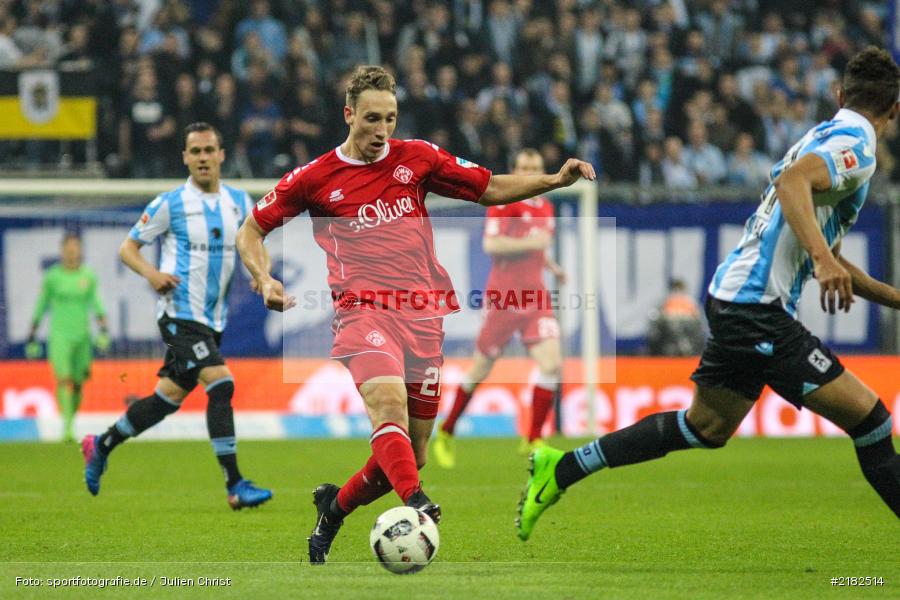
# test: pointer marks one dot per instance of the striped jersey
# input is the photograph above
(198, 246)
(770, 265)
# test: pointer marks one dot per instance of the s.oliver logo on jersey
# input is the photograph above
(372, 215)
(403, 174)
(375, 338)
(845, 160)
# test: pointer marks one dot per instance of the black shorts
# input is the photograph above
(751, 345)
(191, 346)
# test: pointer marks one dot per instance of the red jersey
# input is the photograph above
(523, 271)
(371, 221)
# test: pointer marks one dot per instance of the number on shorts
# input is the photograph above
(432, 378)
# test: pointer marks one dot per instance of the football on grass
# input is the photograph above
(404, 540)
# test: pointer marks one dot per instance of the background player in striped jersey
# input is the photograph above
(198, 222)
(815, 196)
(516, 236)
(367, 197)
(69, 292)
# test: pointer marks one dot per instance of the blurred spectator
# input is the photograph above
(788, 79)
(417, 105)
(486, 76)
(225, 116)
(654, 129)
(447, 95)
(502, 87)
(250, 52)
(261, 130)
(704, 159)
(775, 121)
(721, 28)
(503, 29)
(589, 48)
(676, 327)
(562, 120)
(722, 132)
(270, 31)
(147, 129)
(740, 112)
(76, 54)
(167, 24)
(466, 138)
(627, 46)
(355, 45)
(38, 34)
(614, 114)
(676, 172)
(307, 119)
(186, 103)
(651, 170)
(647, 99)
(593, 141)
(820, 77)
(432, 33)
(746, 166)
(798, 120)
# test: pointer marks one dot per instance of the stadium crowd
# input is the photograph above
(680, 93)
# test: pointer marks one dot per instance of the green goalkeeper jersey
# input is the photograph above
(70, 294)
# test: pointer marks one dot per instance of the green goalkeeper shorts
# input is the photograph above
(71, 359)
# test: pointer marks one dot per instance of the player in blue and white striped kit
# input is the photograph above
(198, 222)
(815, 196)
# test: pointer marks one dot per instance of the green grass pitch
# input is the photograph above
(759, 519)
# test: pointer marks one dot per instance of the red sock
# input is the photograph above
(393, 451)
(459, 405)
(364, 487)
(541, 403)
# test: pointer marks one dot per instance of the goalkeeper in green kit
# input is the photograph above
(69, 291)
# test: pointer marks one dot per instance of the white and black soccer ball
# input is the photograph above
(404, 540)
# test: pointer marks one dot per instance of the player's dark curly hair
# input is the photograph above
(369, 77)
(871, 81)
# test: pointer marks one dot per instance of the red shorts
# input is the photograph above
(375, 343)
(500, 325)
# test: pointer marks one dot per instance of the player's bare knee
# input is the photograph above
(714, 430)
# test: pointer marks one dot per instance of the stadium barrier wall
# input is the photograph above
(328, 405)
(631, 277)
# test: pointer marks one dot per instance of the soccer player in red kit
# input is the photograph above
(515, 300)
(390, 293)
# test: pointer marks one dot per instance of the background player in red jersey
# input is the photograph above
(390, 293)
(516, 236)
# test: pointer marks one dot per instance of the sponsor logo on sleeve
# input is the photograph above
(266, 200)
(465, 163)
(845, 160)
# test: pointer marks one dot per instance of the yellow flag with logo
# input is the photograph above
(47, 104)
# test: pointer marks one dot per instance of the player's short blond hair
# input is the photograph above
(369, 77)
(528, 152)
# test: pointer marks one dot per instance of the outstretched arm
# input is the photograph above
(255, 257)
(506, 189)
(794, 188)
